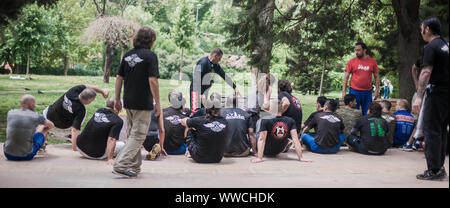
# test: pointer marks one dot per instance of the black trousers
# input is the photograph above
(435, 120)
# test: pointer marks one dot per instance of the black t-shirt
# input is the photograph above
(436, 55)
(373, 133)
(136, 67)
(328, 126)
(203, 67)
(68, 111)
(174, 130)
(294, 110)
(94, 137)
(311, 117)
(278, 130)
(237, 140)
(208, 142)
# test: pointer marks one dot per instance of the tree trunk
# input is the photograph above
(109, 56)
(181, 63)
(321, 78)
(408, 43)
(262, 53)
(28, 61)
(65, 64)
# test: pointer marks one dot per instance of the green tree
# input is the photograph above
(183, 30)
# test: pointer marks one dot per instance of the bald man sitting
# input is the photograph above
(26, 131)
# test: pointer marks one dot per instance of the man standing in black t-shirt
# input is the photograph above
(139, 74)
(434, 85)
(202, 79)
(274, 134)
(69, 111)
(329, 129)
(290, 105)
(98, 140)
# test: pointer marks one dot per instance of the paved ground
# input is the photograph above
(61, 167)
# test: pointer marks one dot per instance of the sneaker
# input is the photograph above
(429, 175)
(187, 154)
(288, 146)
(126, 174)
(154, 153)
(406, 148)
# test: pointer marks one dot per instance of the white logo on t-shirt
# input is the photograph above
(365, 68)
(215, 126)
(133, 60)
(234, 115)
(331, 118)
(100, 117)
(175, 120)
(444, 48)
(67, 104)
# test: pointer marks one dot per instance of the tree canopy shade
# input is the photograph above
(10, 9)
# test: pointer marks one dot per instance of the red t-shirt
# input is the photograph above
(361, 70)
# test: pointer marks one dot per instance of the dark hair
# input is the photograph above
(434, 24)
(217, 51)
(363, 45)
(386, 104)
(144, 37)
(349, 98)
(331, 105)
(321, 100)
(285, 86)
(212, 109)
(375, 109)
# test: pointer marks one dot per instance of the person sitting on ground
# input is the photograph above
(329, 129)
(98, 140)
(69, 111)
(208, 134)
(237, 142)
(274, 134)
(373, 130)
(391, 120)
(175, 133)
(154, 142)
(291, 106)
(26, 131)
(404, 123)
(320, 103)
(348, 113)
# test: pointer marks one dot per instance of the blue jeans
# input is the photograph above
(179, 151)
(308, 139)
(38, 141)
(363, 99)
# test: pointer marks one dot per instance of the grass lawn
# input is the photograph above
(54, 86)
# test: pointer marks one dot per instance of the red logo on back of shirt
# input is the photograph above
(279, 130)
(296, 103)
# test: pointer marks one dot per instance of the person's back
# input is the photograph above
(68, 110)
(404, 122)
(139, 64)
(373, 131)
(391, 121)
(209, 137)
(294, 110)
(237, 141)
(327, 125)
(174, 136)
(21, 126)
(93, 139)
(278, 131)
(349, 117)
